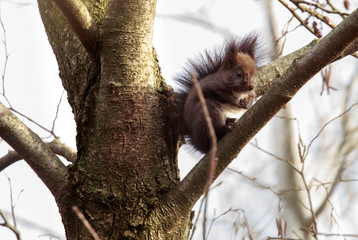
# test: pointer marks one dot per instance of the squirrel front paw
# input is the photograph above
(246, 102)
(229, 122)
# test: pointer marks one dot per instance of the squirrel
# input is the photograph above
(227, 78)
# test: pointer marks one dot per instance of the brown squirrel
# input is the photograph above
(227, 79)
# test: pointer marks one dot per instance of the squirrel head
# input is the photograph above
(240, 69)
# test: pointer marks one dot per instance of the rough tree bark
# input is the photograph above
(125, 179)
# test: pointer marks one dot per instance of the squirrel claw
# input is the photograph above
(230, 122)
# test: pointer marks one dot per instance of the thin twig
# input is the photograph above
(276, 157)
(33, 121)
(57, 110)
(85, 222)
(213, 140)
(316, 15)
(3, 74)
(12, 203)
(335, 9)
(240, 216)
(9, 226)
(309, 197)
(319, 6)
(338, 235)
(325, 125)
(197, 219)
(310, 8)
(253, 180)
(293, 12)
(6, 59)
(213, 149)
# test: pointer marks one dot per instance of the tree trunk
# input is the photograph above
(120, 106)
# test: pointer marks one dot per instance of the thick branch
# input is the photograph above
(63, 150)
(10, 158)
(268, 73)
(271, 71)
(34, 151)
(81, 22)
(56, 146)
(282, 90)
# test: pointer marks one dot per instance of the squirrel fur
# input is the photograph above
(227, 78)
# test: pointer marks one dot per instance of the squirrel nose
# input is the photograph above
(250, 87)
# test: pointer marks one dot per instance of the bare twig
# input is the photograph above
(326, 77)
(9, 226)
(202, 22)
(85, 222)
(33, 121)
(3, 90)
(331, 234)
(12, 203)
(281, 227)
(241, 219)
(325, 125)
(311, 8)
(283, 36)
(57, 110)
(328, 194)
(254, 181)
(6, 59)
(197, 219)
(35, 152)
(338, 235)
(213, 140)
(293, 12)
(343, 15)
(303, 155)
(277, 157)
(320, 6)
(283, 238)
(309, 197)
(50, 236)
(342, 150)
(213, 148)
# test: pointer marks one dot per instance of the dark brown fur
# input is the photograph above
(227, 80)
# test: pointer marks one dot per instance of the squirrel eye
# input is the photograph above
(239, 73)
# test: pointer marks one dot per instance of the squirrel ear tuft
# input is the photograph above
(251, 52)
(230, 58)
(248, 45)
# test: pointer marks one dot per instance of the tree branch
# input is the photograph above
(56, 146)
(63, 150)
(34, 151)
(189, 190)
(10, 158)
(81, 22)
(271, 71)
(9, 226)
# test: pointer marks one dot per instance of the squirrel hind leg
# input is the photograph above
(199, 131)
(199, 134)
